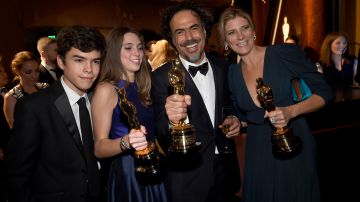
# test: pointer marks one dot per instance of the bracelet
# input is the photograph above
(232, 116)
(124, 145)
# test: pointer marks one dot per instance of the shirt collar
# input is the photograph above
(187, 63)
(71, 94)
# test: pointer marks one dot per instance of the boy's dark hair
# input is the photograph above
(168, 13)
(80, 37)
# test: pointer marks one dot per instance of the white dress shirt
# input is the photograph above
(73, 98)
(206, 86)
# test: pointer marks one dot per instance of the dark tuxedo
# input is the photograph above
(207, 177)
(45, 157)
(45, 76)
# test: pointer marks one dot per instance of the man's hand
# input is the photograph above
(234, 126)
(176, 107)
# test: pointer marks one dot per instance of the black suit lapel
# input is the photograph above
(63, 105)
(219, 86)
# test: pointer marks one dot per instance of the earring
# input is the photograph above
(254, 37)
(226, 47)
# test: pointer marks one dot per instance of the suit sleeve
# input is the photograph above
(22, 153)
(160, 90)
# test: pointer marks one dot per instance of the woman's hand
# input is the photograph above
(137, 138)
(280, 117)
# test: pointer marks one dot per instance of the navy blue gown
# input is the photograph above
(123, 185)
(267, 179)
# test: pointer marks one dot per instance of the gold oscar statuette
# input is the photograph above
(183, 134)
(285, 144)
(149, 161)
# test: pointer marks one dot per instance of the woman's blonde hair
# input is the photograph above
(229, 14)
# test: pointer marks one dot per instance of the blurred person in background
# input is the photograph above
(4, 127)
(25, 67)
(49, 70)
(160, 53)
(338, 67)
(292, 39)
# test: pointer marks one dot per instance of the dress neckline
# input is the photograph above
(263, 77)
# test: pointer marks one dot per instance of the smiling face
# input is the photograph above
(131, 54)
(239, 35)
(339, 45)
(80, 69)
(188, 35)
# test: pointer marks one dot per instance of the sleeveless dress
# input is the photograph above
(267, 179)
(123, 185)
(18, 92)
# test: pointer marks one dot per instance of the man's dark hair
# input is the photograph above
(80, 37)
(168, 13)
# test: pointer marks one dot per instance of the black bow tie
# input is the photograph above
(202, 68)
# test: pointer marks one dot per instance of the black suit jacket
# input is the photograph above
(192, 179)
(45, 159)
(45, 76)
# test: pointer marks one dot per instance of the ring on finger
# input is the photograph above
(272, 120)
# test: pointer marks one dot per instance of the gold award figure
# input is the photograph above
(148, 162)
(183, 134)
(285, 144)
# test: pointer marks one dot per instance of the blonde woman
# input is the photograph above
(267, 178)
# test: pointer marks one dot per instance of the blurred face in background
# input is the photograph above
(149, 50)
(51, 54)
(4, 79)
(290, 41)
(339, 45)
(28, 73)
(158, 48)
